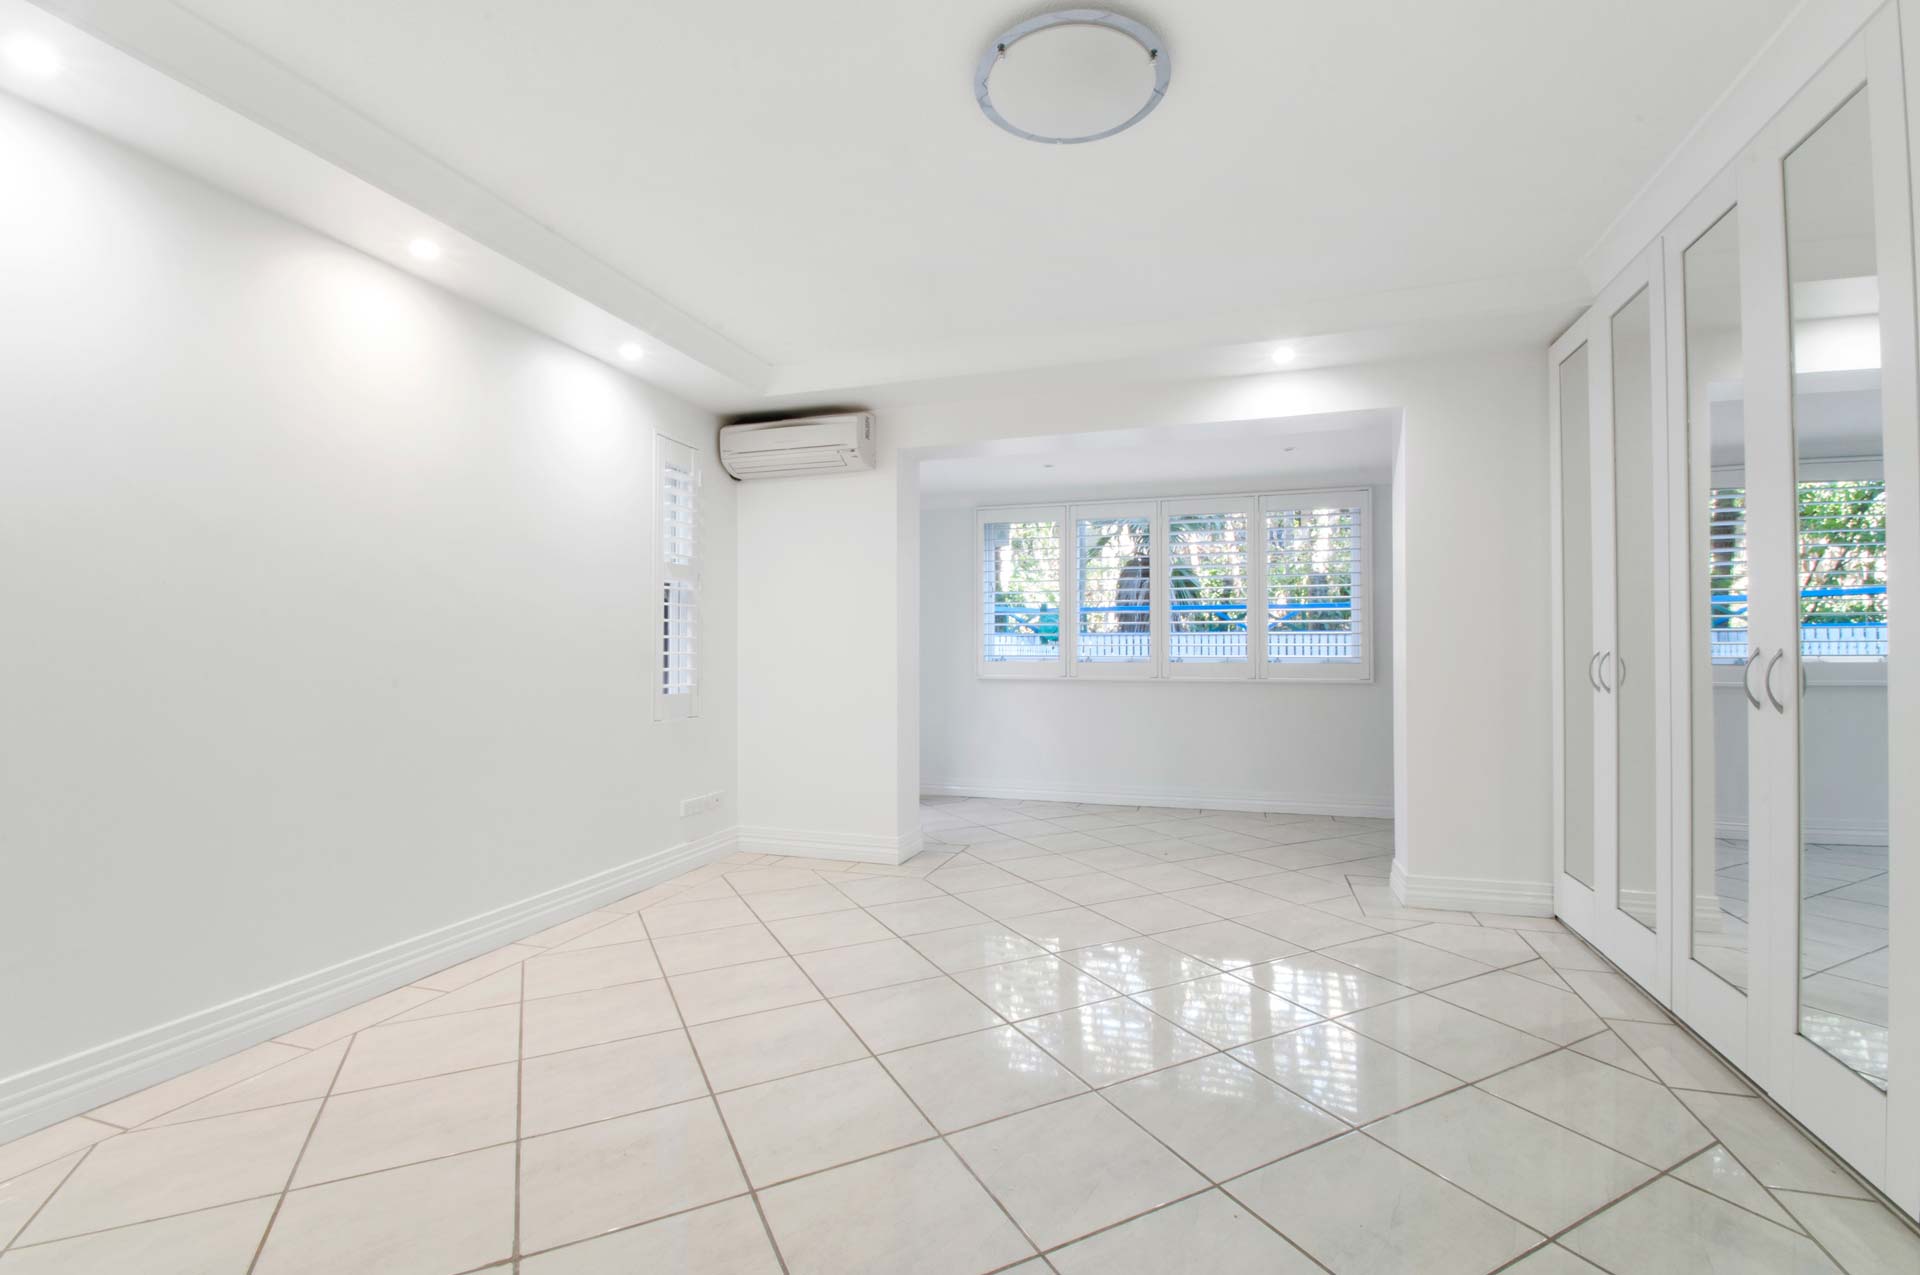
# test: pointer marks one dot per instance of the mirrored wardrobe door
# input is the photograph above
(1579, 655)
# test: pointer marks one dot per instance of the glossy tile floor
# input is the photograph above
(1066, 1038)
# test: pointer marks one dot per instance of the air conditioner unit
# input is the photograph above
(809, 445)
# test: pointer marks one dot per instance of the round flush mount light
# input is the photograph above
(1284, 354)
(424, 249)
(1077, 75)
(631, 352)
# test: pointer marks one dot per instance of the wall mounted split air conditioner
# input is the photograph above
(809, 445)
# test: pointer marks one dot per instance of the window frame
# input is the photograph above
(1256, 668)
(668, 706)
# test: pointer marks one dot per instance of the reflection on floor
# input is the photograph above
(1843, 946)
(1130, 1040)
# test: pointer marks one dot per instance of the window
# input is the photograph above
(1316, 573)
(1113, 554)
(677, 579)
(1020, 586)
(1166, 588)
(1842, 571)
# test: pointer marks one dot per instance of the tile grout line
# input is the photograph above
(519, 1105)
(294, 1168)
(66, 1177)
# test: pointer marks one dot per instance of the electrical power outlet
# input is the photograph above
(700, 805)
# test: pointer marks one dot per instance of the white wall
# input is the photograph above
(327, 615)
(1472, 746)
(1324, 748)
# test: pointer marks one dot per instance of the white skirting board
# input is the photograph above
(852, 846)
(1349, 807)
(1472, 894)
(80, 1082)
(1840, 833)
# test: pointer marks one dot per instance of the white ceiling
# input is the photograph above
(810, 200)
(1298, 451)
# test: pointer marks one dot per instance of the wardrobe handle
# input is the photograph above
(1604, 656)
(1591, 680)
(1620, 673)
(1772, 664)
(1746, 679)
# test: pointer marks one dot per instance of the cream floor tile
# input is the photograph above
(394, 1052)
(1521, 1164)
(720, 1239)
(399, 1124)
(783, 905)
(1135, 965)
(1113, 1040)
(1152, 914)
(356, 1017)
(425, 1219)
(1496, 947)
(981, 1076)
(1551, 1259)
(1716, 1170)
(1221, 1116)
(974, 876)
(1457, 1041)
(628, 929)
(879, 890)
(573, 928)
(1071, 928)
(687, 918)
(921, 916)
(1068, 1169)
(1860, 1233)
(55, 1142)
(774, 1043)
(1611, 996)
(457, 976)
(890, 1018)
(1671, 1228)
(1322, 984)
(741, 989)
(501, 988)
(1770, 1148)
(827, 930)
(309, 1075)
(154, 1173)
(584, 1181)
(819, 1119)
(1613, 1051)
(1519, 1002)
(1678, 1059)
(1405, 962)
(217, 1241)
(1300, 887)
(712, 949)
(917, 1210)
(1565, 952)
(583, 969)
(1029, 988)
(1209, 1232)
(752, 881)
(594, 1017)
(1329, 1200)
(1021, 899)
(1637, 1117)
(602, 1081)
(1540, 972)
(139, 1108)
(1225, 1011)
(1052, 870)
(1227, 944)
(970, 947)
(841, 970)
(1343, 1072)
(22, 1196)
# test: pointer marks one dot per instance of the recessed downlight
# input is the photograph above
(1284, 354)
(32, 56)
(631, 352)
(424, 249)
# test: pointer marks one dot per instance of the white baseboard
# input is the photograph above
(849, 846)
(1832, 833)
(80, 1082)
(1471, 894)
(1181, 799)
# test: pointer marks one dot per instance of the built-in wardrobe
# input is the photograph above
(1736, 480)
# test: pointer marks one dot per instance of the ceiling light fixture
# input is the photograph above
(33, 56)
(1284, 354)
(632, 352)
(424, 249)
(1077, 75)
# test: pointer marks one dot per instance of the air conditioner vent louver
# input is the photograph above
(809, 445)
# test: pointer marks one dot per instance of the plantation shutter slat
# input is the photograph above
(1316, 584)
(1114, 561)
(1021, 582)
(1207, 586)
(679, 581)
